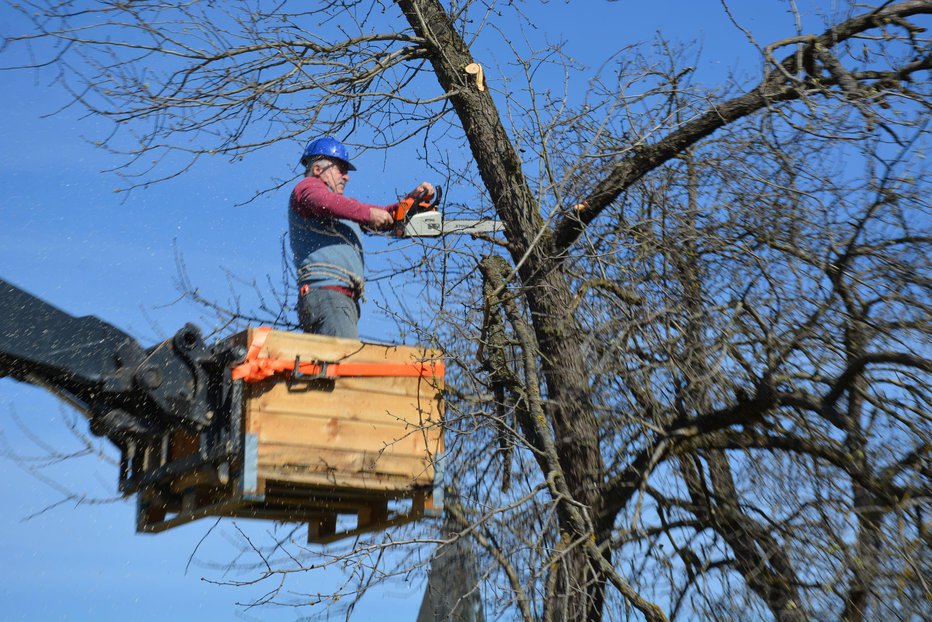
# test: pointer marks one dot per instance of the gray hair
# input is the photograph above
(318, 161)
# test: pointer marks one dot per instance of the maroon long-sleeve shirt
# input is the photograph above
(311, 198)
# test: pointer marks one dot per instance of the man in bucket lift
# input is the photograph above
(326, 239)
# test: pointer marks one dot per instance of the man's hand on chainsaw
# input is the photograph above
(426, 188)
(394, 218)
(379, 219)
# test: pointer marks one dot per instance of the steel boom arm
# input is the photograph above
(123, 388)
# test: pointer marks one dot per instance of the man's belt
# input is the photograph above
(346, 291)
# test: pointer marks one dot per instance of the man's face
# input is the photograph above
(333, 173)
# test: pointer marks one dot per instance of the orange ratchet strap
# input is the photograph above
(256, 368)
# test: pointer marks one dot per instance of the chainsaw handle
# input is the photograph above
(432, 205)
(415, 204)
(420, 205)
(417, 198)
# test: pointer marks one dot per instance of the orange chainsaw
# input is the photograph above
(418, 217)
(411, 206)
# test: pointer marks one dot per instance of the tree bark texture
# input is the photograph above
(565, 369)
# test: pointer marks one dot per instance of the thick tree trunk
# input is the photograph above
(569, 404)
(864, 564)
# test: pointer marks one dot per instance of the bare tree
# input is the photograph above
(698, 387)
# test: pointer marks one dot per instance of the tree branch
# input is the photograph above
(777, 86)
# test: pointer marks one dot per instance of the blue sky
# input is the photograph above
(68, 238)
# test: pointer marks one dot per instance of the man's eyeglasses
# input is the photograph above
(343, 167)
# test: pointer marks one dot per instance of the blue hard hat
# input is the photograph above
(326, 147)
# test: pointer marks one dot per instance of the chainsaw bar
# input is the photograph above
(431, 224)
